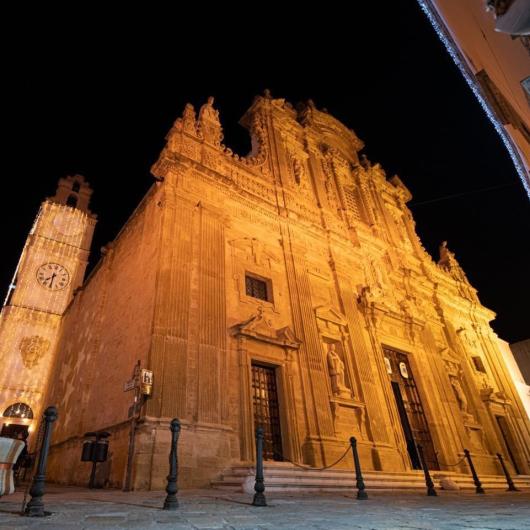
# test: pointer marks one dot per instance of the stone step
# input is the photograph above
(283, 476)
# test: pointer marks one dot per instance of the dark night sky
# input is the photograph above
(96, 96)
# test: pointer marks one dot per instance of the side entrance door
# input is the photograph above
(267, 410)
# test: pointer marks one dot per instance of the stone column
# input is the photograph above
(313, 372)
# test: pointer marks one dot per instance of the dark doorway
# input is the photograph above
(12, 430)
(411, 414)
(407, 431)
(506, 436)
(267, 410)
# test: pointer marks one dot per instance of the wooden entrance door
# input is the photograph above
(267, 410)
(412, 416)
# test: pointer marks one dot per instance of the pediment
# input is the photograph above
(259, 327)
(329, 314)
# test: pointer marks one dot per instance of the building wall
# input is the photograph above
(496, 63)
(105, 331)
(333, 239)
(521, 352)
(517, 377)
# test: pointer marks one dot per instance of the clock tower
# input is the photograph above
(52, 265)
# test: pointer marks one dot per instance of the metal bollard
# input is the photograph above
(511, 485)
(259, 486)
(431, 492)
(478, 484)
(171, 502)
(35, 507)
(361, 490)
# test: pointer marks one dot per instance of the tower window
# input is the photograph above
(71, 201)
(76, 186)
(479, 364)
(257, 288)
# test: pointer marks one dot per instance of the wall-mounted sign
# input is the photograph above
(129, 385)
(388, 365)
(403, 370)
(146, 381)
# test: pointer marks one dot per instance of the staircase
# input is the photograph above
(283, 476)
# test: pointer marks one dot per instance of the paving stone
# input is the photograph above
(78, 508)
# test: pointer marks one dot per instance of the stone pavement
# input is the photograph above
(78, 508)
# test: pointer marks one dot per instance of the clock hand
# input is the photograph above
(52, 277)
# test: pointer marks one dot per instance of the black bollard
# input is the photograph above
(361, 490)
(259, 486)
(511, 485)
(478, 484)
(171, 502)
(431, 492)
(35, 507)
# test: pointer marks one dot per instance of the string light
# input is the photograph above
(519, 166)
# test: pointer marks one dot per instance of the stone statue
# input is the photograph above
(210, 124)
(336, 373)
(208, 112)
(460, 394)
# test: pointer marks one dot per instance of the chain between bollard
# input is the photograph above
(459, 462)
(311, 468)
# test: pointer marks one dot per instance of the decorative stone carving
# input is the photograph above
(449, 263)
(209, 123)
(189, 123)
(337, 373)
(256, 251)
(259, 327)
(460, 394)
(32, 349)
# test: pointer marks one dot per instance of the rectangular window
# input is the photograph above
(257, 288)
(479, 364)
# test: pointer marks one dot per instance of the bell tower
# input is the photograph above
(52, 265)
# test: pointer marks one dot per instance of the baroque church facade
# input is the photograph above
(286, 288)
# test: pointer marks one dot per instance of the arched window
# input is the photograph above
(18, 410)
(76, 186)
(71, 201)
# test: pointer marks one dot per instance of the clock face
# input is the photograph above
(67, 224)
(53, 276)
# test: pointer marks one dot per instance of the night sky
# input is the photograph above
(96, 95)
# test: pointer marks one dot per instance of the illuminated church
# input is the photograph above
(286, 288)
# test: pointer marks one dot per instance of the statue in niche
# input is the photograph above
(460, 394)
(336, 373)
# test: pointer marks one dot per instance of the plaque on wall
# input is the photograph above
(403, 370)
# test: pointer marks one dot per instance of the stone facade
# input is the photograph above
(285, 287)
